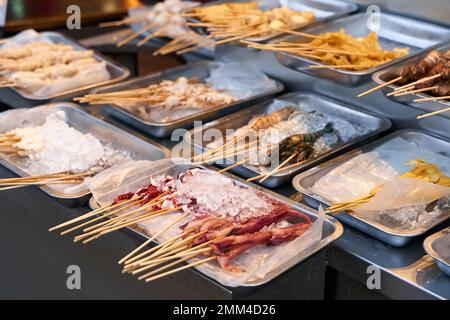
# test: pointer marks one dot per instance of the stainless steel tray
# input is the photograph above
(332, 229)
(395, 31)
(17, 98)
(319, 103)
(323, 9)
(200, 70)
(86, 123)
(392, 72)
(434, 246)
(304, 181)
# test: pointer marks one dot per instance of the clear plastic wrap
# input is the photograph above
(256, 262)
(49, 160)
(86, 74)
(401, 203)
(241, 80)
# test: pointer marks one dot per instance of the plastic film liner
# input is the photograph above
(86, 75)
(22, 118)
(256, 263)
(402, 203)
(240, 80)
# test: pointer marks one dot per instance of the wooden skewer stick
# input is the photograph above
(32, 178)
(116, 23)
(146, 39)
(103, 216)
(146, 243)
(141, 267)
(274, 171)
(247, 35)
(231, 153)
(403, 93)
(163, 258)
(432, 99)
(36, 184)
(181, 268)
(291, 166)
(130, 263)
(166, 267)
(121, 217)
(135, 35)
(171, 247)
(91, 213)
(342, 66)
(379, 87)
(148, 216)
(298, 33)
(406, 86)
(433, 113)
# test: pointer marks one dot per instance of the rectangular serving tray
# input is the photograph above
(392, 72)
(332, 229)
(395, 32)
(324, 10)
(105, 132)
(304, 181)
(433, 246)
(17, 98)
(317, 102)
(199, 70)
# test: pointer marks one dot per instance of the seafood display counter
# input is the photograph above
(341, 191)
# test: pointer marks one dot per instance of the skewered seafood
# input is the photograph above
(163, 20)
(166, 101)
(267, 121)
(284, 132)
(44, 69)
(302, 144)
(337, 50)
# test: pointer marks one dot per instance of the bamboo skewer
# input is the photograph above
(147, 275)
(432, 99)
(135, 35)
(156, 248)
(298, 33)
(180, 269)
(146, 243)
(362, 94)
(403, 93)
(407, 86)
(433, 113)
(169, 248)
(90, 214)
(274, 171)
(294, 165)
(127, 223)
(166, 257)
(99, 218)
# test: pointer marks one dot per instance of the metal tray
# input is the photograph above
(392, 72)
(434, 244)
(324, 10)
(395, 31)
(306, 180)
(17, 98)
(200, 70)
(320, 103)
(332, 229)
(86, 123)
